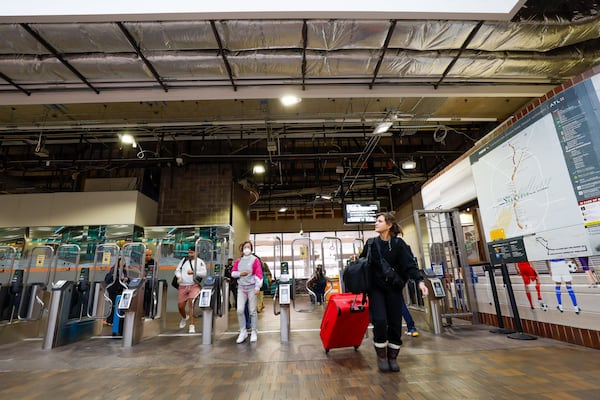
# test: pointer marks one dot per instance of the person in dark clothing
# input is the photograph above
(115, 287)
(232, 283)
(149, 272)
(392, 264)
(318, 283)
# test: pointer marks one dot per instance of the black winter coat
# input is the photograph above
(400, 258)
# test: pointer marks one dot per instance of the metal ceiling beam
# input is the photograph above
(56, 54)
(460, 51)
(141, 55)
(275, 92)
(222, 53)
(304, 44)
(242, 157)
(230, 129)
(7, 79)
(384, 48)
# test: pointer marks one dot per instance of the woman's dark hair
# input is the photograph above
(244, 243)
(320, 272)
(390, 218)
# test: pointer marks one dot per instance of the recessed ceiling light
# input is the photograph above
(258, 169)
(127, 138)
(382, 127)
(290, 100)
(409, 164)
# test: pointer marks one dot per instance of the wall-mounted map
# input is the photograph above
(539, 181)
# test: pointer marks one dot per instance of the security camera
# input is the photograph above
(179, 161)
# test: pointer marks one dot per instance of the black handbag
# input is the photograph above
(356, 274)
(391, 277)
(174, 282)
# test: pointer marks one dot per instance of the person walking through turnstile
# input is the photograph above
(149, 271)
(188, 272)
(248, 268)
(115, 288)
(317, 284)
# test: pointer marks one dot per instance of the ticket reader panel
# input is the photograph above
(126, 297)
(284, 293)
(437, 295)
(284, 285)
(438, 287)
(128, 294)
(206, 293)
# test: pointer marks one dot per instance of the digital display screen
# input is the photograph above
(361, 212)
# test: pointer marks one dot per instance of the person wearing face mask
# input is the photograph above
(248, 270)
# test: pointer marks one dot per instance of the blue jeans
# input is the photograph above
(410, 322)
(247, 315)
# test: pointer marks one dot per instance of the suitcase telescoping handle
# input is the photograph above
(355, 306)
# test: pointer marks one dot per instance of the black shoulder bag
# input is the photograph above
(391, 277)
(197, 279)
(174, 282)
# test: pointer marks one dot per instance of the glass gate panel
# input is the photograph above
(303, 266)
(443, 254)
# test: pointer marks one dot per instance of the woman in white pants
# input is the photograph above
(248, 270)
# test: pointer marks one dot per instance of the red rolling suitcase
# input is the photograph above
(345, 321)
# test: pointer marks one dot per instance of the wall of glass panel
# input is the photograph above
(266, 243)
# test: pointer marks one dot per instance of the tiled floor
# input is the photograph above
(466, 362)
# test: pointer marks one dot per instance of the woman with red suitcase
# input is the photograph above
(392, 264)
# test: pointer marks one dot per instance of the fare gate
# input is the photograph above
(444, 259)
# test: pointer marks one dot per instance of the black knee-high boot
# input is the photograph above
(392, 355)
(382, 359)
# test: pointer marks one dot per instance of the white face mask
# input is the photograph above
(247, 251)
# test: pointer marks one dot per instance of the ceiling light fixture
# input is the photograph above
(258, 169)
(127, 139)
(283, 209)
(409, 164)
(290, 100)
(382, 127)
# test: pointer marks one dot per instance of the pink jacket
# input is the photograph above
(256, 273)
